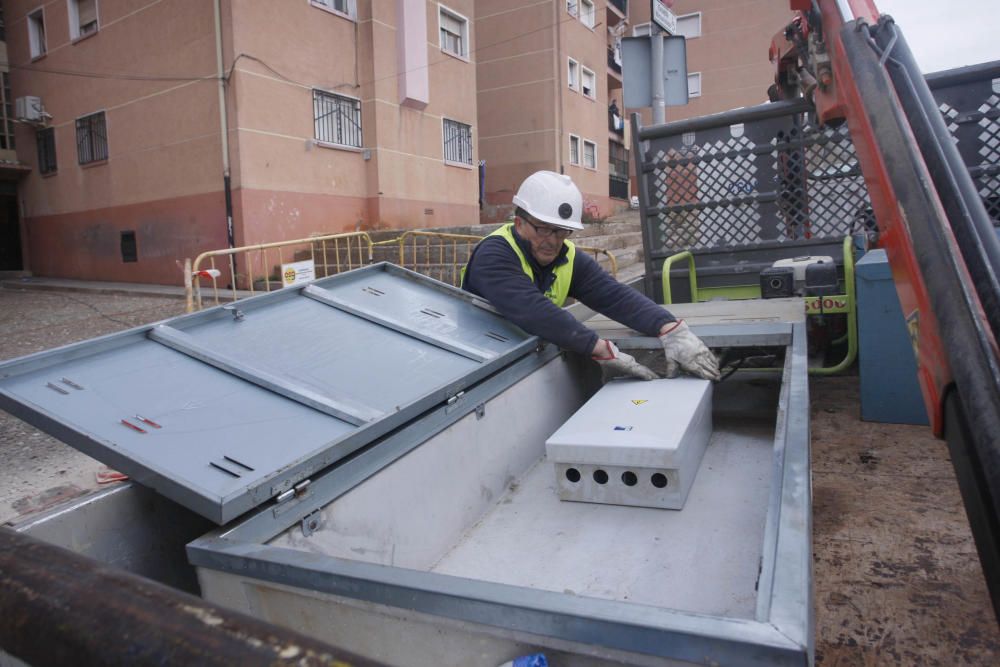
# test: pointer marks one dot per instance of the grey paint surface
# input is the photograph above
(226, 416)
(777, 631)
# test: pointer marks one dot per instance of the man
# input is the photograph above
(528, 269)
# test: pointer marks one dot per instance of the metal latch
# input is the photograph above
(298, 491)
(453, 403)
(310, 523)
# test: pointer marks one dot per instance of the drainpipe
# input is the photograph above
(224, 124)
(559, 87)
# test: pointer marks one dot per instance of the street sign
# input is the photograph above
(636, 61)
(663, 17)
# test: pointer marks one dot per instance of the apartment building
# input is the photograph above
(550, 85)
(545, 86)
(727, 43)
(153, 130)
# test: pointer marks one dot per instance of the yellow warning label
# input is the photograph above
(640, 401)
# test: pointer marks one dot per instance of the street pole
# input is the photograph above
(656, 53)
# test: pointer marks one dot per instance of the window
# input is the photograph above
(641, 30)
(572, 7)
(36, 33)
(574, 74)
(337, 119)
(346, 8)
(7, 123)
(82, 18)
(457, 142)
(46, 140)
(589, 154)
(454, 32)
(587, 13)
(694, 84)
(91, 138)
(689, 25)
(589, 83)
(574, 149)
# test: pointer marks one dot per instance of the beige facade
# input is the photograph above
(336, 119)
(544, 91)
(727, 56)
(531, 115)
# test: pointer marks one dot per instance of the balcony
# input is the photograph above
(620, 5)
(613, 63)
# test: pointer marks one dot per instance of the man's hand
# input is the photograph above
(685, 351)
(615, 363)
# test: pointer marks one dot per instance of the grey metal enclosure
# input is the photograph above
(371, 447)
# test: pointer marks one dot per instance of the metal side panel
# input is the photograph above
(227, 408)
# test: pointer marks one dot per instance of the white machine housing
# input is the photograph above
(799, 264)
(634, 443)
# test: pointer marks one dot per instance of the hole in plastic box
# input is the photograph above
(573, 475)
(600, 477)
(659, 480)
(629, 478)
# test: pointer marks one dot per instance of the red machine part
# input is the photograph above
(836, 99)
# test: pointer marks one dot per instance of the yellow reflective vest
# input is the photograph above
(559, 291)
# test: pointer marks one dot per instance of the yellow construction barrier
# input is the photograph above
(250, 269)
(442, 255)
(247, 270)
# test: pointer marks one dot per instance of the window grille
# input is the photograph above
(7, 126)
(574, 149)
(337, 119)
(587, 13)
(91, 138)
(453, 31)
(46, 150)
(457, 142)
(571, 7)
(574, 74)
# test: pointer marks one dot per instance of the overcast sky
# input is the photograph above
(947, 33)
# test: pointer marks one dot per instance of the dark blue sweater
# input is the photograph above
(495, 273)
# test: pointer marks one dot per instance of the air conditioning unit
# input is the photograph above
(30, 108)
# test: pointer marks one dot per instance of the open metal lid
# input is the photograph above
(224, 409)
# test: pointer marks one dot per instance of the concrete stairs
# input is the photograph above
(620, 235)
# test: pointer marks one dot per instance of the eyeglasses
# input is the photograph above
(547, 232)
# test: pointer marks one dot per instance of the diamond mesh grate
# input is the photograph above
(800, 183)
(988, 175)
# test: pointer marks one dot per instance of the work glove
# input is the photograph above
(615, 363)
(685, 351)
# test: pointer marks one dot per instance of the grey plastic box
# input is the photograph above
(634, 443)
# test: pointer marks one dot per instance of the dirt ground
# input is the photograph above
(897, 580)
(39, 471)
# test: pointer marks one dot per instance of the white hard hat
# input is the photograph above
(551, 198)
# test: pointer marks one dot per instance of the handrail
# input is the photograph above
(852, 315)
(849, 295)
(193, 271)
(692, 278)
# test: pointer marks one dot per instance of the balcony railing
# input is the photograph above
(622, 5)
(615, 67)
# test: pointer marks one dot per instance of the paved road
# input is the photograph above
(37, 470)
